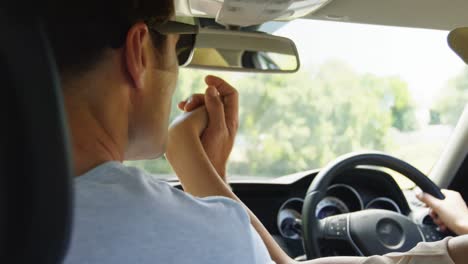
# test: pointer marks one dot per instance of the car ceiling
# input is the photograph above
(431, 14)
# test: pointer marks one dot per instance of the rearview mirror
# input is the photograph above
(243, 51)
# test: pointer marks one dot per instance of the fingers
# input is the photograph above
(230, 100)
(215, 108)
(224, 88)
(181, 105)
(222, 103)
(443, 228)
(433, 214)
(435, 217)
(429, 200)
(440, 224)
(193, 102)
(438, 221)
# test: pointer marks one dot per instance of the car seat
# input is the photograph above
(35, 168)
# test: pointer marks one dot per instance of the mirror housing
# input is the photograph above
(227, 50)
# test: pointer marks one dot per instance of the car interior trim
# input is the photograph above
(384, 199)
(279, 221)
(421, 233)
(353, 244)
(431, 14)
(354, 191)
(453, 155)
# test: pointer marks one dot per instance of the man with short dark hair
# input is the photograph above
(118, 74)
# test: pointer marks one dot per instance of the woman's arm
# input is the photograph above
(458, 249)
(198, 176)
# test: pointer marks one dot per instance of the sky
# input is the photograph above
(421, 57)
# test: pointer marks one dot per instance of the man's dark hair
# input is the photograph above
(80, 30)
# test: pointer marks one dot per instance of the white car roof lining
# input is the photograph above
(431, 14)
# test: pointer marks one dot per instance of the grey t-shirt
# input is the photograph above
(124, 215)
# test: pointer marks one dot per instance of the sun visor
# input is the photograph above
(248, 12)
(458, 41)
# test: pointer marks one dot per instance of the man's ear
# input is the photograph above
(136, 53)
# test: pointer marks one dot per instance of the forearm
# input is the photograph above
(199, 177)
(196, 177)
(458, 248)
(335, 260)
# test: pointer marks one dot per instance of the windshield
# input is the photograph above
(360, 87)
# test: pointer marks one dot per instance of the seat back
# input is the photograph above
(35, 171)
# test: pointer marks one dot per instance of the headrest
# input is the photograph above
(458, 41)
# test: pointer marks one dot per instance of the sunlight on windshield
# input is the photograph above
(361, 87)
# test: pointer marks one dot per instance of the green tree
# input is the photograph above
(396, 95)
(453, 100)
(297, 122)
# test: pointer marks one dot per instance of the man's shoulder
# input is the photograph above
(127, 213)
(115, 177)
(116, 183)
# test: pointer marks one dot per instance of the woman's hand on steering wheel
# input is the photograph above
(450, 213)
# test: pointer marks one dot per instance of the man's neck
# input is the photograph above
(98, 135)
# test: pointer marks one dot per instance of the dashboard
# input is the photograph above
(278, 204)
(340, 199)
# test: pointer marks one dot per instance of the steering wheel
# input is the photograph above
(370, 232)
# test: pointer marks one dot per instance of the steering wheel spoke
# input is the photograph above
(432, 233)
(334, 227)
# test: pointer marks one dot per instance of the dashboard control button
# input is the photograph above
(336, 227)
(432, 234)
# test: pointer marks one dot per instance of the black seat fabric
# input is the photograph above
(35, 172)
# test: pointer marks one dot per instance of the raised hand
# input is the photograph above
(222, 104)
